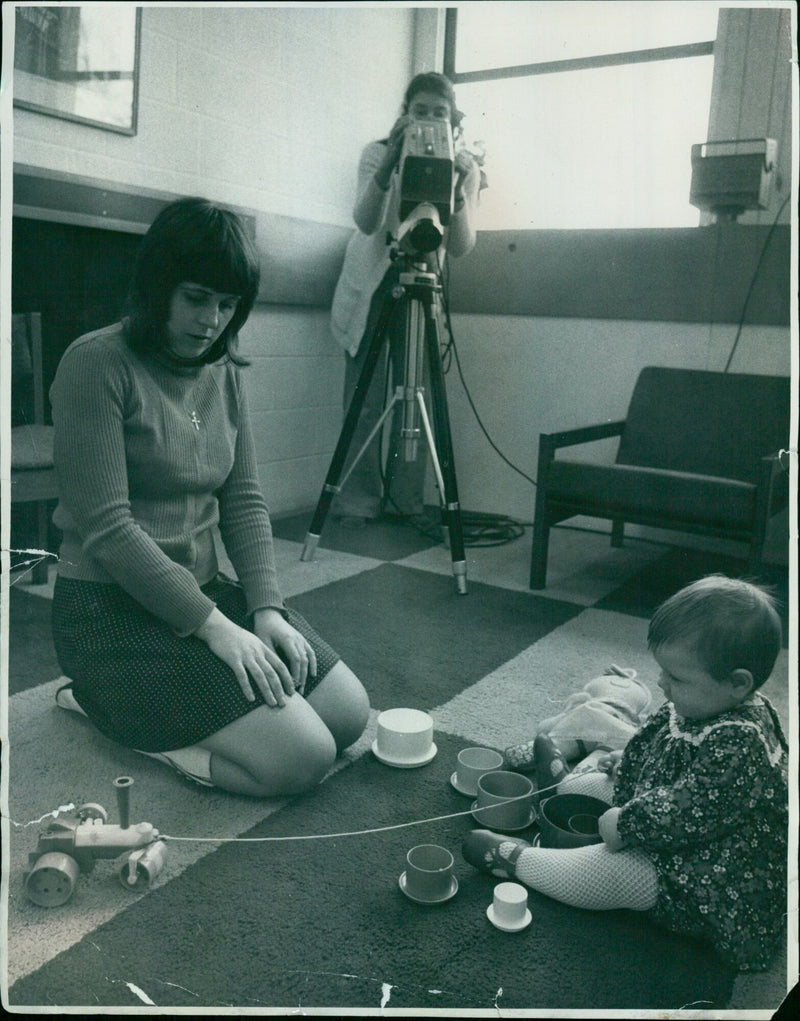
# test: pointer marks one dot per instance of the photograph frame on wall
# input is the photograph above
(79, 64)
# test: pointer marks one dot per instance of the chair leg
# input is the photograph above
(617, 532)
(755, 561)
(541, 541)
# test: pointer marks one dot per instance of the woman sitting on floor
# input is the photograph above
(153, 451)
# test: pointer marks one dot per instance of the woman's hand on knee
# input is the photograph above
(277, 633)
(256, 664)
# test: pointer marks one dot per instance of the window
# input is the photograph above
(587, 110)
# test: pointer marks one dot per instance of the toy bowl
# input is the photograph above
(570, 820)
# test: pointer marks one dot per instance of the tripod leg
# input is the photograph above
(437, 469)
(331, 485)
(451, 511)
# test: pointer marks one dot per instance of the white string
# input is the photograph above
(358, 833)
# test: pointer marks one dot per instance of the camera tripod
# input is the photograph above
(416, 292)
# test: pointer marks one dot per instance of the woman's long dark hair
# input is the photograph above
(193, 240)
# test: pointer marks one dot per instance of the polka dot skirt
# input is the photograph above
(142, 685)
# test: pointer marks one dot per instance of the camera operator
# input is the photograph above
(367, 278)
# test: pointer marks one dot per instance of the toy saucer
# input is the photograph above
(502, 829)
(454, 784)
(526, 921)
(400, 764)
(422, 900)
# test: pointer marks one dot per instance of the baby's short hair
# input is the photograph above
(733, 624)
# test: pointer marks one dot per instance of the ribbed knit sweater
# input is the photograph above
(150, 457)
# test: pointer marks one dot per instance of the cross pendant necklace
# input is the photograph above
(195, 420)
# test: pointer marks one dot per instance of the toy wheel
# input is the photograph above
(52, 879)
(143, 866)
(91, 810)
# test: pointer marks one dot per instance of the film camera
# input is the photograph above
(427, 182)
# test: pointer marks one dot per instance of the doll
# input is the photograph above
(603, 715)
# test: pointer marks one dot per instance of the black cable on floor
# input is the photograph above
(478, 529)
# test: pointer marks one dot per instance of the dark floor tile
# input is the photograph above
(320, 923)
(31, 654)
(414, 641)
(641, 594)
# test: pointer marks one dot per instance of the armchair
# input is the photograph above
(33, 476)
(699, 452)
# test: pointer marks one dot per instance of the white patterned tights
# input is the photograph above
(590, 877)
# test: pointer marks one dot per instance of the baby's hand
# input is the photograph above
(609, 763)
(607, 825)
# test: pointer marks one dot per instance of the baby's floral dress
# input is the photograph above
(707, 800)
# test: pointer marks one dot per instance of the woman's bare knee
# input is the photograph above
(342, 704)
(310, 765)
(279, 752)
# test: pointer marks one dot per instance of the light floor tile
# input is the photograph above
(505, 707)
(297, 576)
(583, 566)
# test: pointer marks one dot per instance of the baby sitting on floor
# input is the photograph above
(696, 832)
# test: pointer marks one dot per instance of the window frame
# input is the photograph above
(701, 49)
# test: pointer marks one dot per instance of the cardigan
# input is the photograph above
(151, 457)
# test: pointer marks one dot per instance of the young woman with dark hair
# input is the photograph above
(154, 452)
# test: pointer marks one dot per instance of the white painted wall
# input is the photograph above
(296, 377)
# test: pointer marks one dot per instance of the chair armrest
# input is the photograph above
(585, 434)
(550, 442)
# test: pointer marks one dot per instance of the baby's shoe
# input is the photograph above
(550, 766)
(493, 852)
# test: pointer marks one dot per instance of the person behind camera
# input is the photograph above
(154, 450)
(366, 281)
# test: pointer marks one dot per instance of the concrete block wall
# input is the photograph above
(294, 383)
(256, 106)
(264, 108)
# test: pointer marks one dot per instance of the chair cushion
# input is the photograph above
(31, 447)
(631, 492)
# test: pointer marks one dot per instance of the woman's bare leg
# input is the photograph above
(272, 752)
(342, 704)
